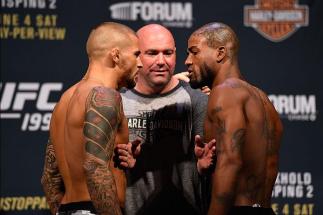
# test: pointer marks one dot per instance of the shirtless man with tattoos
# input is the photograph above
(87, 123)
(243, 121)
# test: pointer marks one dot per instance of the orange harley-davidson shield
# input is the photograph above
(276, 20)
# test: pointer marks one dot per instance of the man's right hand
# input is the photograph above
(205, 154)
(183, 76)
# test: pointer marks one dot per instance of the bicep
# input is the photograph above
(101, 120)
(230, 132)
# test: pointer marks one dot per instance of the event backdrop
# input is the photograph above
(43, 53)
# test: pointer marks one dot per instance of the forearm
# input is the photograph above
(225, 180)
(121, 184)
(51, 180)
(102, 188)
(53, 188)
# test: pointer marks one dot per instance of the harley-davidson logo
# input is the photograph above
(276, 20)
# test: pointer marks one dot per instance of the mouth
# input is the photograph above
(159, 72)
(190, 72)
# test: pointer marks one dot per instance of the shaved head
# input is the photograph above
(106, 36)
(155, 30)
(219, 34)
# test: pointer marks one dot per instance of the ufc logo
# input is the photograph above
(15, 95)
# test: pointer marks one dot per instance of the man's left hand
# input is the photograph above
(127, 153)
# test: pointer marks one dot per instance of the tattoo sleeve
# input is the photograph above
(230, 136)
(51, 180)
(101, 122)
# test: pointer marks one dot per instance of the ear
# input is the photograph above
(115, 55)
(221, 52)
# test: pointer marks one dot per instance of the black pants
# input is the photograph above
(77, 208)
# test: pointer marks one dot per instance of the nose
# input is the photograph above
(160, 59)
(139, 63)
(188, 60)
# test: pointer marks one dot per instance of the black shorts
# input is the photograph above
(248, 210)
(77, 208)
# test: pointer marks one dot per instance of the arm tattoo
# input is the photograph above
(220, 130)
(101, 122)
(230, 139)
(52, 180)
(102, 188)
(238, 139)
(217, 109)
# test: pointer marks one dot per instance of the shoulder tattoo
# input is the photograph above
(102, 119)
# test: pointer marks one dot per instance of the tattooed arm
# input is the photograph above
(100, 127)
(52, 180)
(122, 138)
(226, 113)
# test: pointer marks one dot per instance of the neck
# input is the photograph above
(149, 90)
(106, 77)
(226, 71)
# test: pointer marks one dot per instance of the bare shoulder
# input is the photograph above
(62, 104)
(104, 102)
(102, 96)
(232, 91)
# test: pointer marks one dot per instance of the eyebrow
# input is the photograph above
(157, 50)
(150, 50)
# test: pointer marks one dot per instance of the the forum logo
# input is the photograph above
(170, 14)
(295, 107)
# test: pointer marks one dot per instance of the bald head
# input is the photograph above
(219, 34)
(155, 32)
(106, 36)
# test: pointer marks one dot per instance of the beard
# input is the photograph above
(195, 84)
(206, 78)
(130, 83)
(127, 81)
